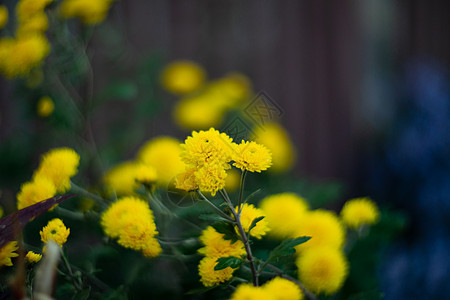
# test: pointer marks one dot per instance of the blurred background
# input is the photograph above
(363, 87)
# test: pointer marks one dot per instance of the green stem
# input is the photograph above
(69, 270)
(241, 190)
(82, 192)
(68, 213)
(218, 210)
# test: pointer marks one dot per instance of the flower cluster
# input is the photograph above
(276, 289)
(131, 222)
(208, 154)
(215, 247)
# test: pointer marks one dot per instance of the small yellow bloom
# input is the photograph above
(252, 157)
(90, 12)
(45, 106)
(247, 291)
(182, 77)
(186, 181)
(231, 89)
(152, 248)
(248, 214)
(59, 165)
(137, 229)
(359, 211)
(26, 9)
(36, 24)
(39, 189)
(232, 181)
(145, 174)
(216, 246)
(3, 16)
(322, 269)
(7, 252)
(211, 277)
(283, 289)
(211, 177)
(55, 231)
(284, 212)
(198, 111)
(33, 257)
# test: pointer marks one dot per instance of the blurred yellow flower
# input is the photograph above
(1, 212)
(248, 214)
(137, 229)
(251, 156)
(37, 190)
(26, 9)
(232, 181)
(276, 138)
(359, 211)
(152, 248)
(322, 269)
(198, 112)
(145, 174)
(186, 181)
(121, 179)
(35, 24)
(216, 246)
(7, 252)
(59, 165)
(211, 277)
(45, 106)
(55, 231)
(283, 289)
(182, 77)
(162, 153)
(3, 16)
(324, 228)
(284, 213)
(230, 90)
(32, 257)
(247, 291)
(90, 12)
(18, 56)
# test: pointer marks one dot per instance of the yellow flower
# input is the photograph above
(1, 212)
(230, 90)
(18, 56)
(182, 77)
(284, 213)
(283, 289)
(121, 179)
(211, 277)
(323, 227)
(252, 157)
(33, 257)
(26, 9)
(45, 106)
(322, 269)
(359, 211)
(186, 181)
(55, 231)
(145, 174)
(248, 214)
(216, 246)
(3, 16)
(246, 291)
(163, 153)
(232, 181)
(137, 229)
(36, 24)
(59, 165)
(90, 12)
(277, 140)
(39, 189)
(152, 248)
(7, 252)
(211, 177)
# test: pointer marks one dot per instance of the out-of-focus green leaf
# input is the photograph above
(287, 247)
(225, 262)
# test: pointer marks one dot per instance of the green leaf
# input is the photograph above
(227, 229)
(253, 224)
(199, 290)
(287, 247)
(212, 217)
(225, 262)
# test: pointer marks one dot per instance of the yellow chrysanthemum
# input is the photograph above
(283, 289)
(277, 140)
(251, 156)
(7, 252)
(90, 12)
(232, 180)
(32, 257)
(45, 106)
(3, 16)
(322, 269)
(211, 177)
(284, 213)
(248, 214)
(121, 179)
(26, 9)
(230, 90)
(182, 77)
(18, 56)
(186, 181)
(211, 277)
(359, 211)
(136, 231)
(59, 165)
(206, 147)
(247, 291)
(55, 231)
(216, 246)
(121, 212)
(145, 174)
(39, 189)
(36, 24)
(163, 153)
(324, 228)
(152, 248)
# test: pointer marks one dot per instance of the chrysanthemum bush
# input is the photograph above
(205, 216)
